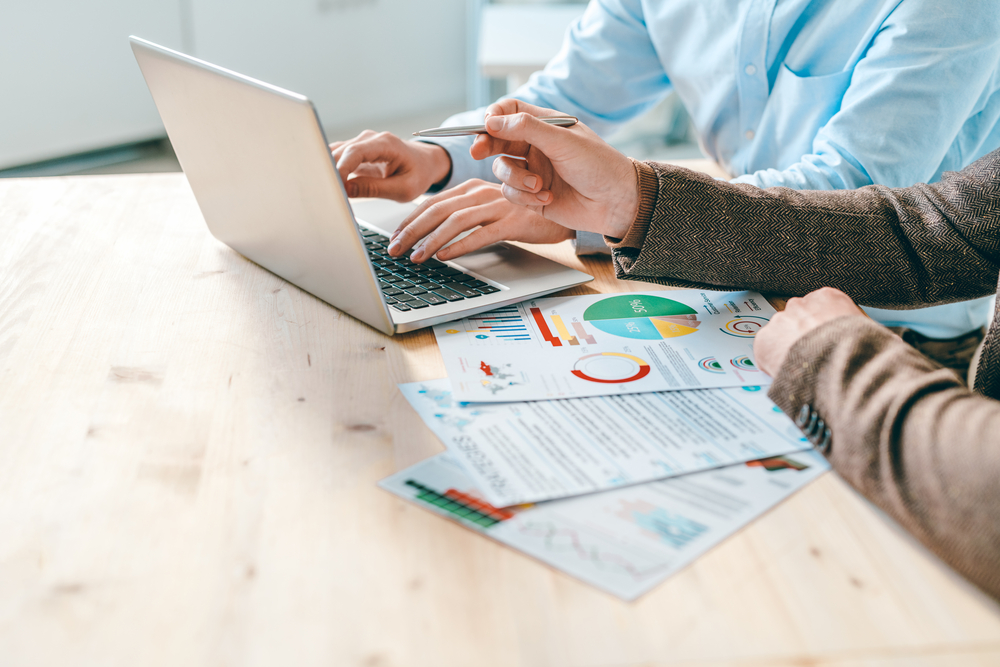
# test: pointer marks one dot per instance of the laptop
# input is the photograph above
(261, 170)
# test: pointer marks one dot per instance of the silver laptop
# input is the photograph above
(259, 165)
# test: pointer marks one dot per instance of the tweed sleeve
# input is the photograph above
(895, 248)
(908, 435)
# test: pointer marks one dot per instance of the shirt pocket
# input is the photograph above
(799, 106)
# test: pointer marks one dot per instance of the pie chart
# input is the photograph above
(642, 317)
(610, 368)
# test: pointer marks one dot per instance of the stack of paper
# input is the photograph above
(662, 443)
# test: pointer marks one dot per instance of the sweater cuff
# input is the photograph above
(648, 190)
(796, 383)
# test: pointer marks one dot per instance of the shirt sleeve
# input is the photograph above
(606, 72)
(929, 69)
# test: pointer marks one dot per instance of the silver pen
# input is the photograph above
(465, 130)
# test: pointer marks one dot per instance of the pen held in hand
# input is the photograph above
(466, 130)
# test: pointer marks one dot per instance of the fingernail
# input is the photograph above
(530, 182)
(542, 197)
(352, 190)
(418, 254)
(394, 248)
(495, 123)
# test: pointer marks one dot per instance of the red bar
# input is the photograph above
(544, 328)
(477, 504)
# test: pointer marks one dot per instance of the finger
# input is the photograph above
(523, 127)
(484, 146)
(513, 173)
(457, 191)
(378, 148)
(337, 147)
(512, 105)
(482, 237)
(458, 222)
(354, 155)
(428, 220)
(522, 198)
(396, 188)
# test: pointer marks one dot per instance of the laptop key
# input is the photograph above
(461, 289)
(391, 278)
(416, 291)
(432, 299)
(417, 304)
(489, 289)
(447, 294)
(434, 264)
(392, 291)
(402, 307)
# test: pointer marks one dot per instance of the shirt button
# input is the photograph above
(750, 70)
(803, 417)
(824, 443)
(750, 135)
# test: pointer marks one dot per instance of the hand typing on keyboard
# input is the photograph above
(411, 286)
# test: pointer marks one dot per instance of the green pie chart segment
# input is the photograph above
(642, 317)
(629, 306)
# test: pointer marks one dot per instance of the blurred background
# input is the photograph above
(74, 102)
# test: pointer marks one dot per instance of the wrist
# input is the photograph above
(436, 163)
(626, 207)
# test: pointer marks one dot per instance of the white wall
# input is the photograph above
(69, 83)
(360, 61)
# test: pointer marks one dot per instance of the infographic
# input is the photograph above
(604, 344)
(540, 450)
(623, 541)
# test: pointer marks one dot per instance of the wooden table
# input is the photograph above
(189, 448)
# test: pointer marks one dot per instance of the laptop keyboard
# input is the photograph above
(409, 286)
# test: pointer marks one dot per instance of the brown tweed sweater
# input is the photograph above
(906, 433)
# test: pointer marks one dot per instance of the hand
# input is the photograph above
(383, 165)
(569, 174)
(800, 316)
(473, 203)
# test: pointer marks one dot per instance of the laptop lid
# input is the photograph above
(257, 160)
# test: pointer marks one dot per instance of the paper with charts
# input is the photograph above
(539, 450)
(601, 344)
(623, 541)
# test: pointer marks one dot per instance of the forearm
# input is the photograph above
(463, 167)
(906, 434)
(902, 248)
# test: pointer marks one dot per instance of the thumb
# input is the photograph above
(551, 140)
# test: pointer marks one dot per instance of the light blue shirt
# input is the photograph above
(806, 94)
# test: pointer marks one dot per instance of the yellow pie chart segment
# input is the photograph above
(670, 329)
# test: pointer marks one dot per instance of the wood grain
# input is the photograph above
(189, 451)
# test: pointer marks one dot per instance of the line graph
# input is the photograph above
(561, 539)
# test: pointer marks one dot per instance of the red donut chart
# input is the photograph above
(639, 366)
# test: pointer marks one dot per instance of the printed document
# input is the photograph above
(601, 344)
(623, 541)
(531, 451)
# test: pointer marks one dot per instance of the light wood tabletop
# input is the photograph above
(189, 448)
